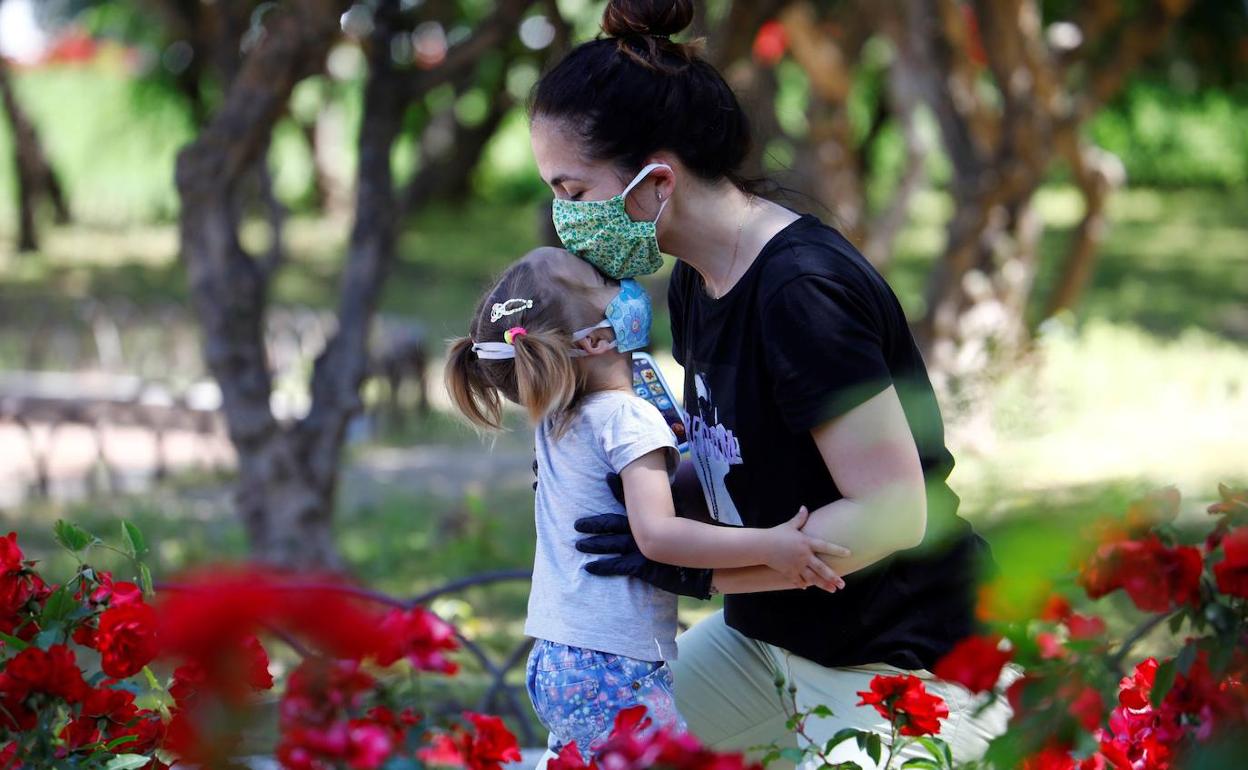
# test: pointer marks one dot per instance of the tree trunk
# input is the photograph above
(35, 176)
(283, 497)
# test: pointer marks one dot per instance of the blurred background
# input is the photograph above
(234, 236)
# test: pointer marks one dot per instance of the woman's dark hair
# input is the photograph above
(637, 91)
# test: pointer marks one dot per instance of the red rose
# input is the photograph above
(770, 43)
(1232, 572)
(421, 637)
(369, 744)
(1087, 708)
(80, 732)
(1084, 627)
(1050, 646)
(1056, 609)
(905, 702)
(975, 663)
(10, 554)
(1049, 758)
(1154, 576)
(107, 703)
(1134, 690)
(569, 758)
(492, 745)
(54, 671)
(126, 639)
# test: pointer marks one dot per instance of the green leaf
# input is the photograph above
(1187, 656)
(58, 607)
(842, 735)
(793, 755)
(135, 543)
(152, 682)
(938, 749)
(127, 762)
(821, 711)
(17, 644)
(919, 764)
(71, 535)
(1162, 682)
(874, 747)
(114, 743)
(145, 580)
(47, 637)
(1176, 622)
(847, 766)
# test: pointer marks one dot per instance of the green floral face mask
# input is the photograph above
(604, 235)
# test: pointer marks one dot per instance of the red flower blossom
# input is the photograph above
(147, 727)
(975, 663)
(421, 637)
(79, 733)
(1056, 609)
(487, 747)
(1154, 576)
(126, 639)
(1083, 627)
(10, 554)
(53, 671)
(1050, 646)
(770, 43)
(1232, 572)
(117, 594)
(1087, 708)
(1134, 690)
(1049, 758)
(107, 703)
(569, 758)
(905, 702)
(8, 757)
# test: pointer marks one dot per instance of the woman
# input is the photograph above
(803, 386)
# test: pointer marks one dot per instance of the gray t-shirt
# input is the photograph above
(619, 615)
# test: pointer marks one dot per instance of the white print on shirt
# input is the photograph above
(713, 449)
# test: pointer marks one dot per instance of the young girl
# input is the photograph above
(539, 339)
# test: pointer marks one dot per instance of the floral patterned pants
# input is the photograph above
(577, 693)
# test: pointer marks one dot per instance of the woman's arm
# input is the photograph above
(663, 537)
(874, 461)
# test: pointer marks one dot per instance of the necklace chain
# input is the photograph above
(736, 246)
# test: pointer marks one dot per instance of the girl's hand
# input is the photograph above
(795, 555)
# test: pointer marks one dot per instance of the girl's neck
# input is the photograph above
(609, 371)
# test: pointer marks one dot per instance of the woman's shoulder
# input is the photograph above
(809, 249)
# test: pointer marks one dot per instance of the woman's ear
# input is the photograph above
(598, 342)
(664, 178)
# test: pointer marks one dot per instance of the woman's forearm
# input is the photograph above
(871, 529)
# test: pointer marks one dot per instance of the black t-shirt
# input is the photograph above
(808, 333)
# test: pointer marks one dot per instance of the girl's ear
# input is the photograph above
(598, 342)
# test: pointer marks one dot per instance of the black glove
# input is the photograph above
(610, 534)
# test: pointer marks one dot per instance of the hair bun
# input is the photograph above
(660, 18)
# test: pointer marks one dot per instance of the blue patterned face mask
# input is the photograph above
(628, 315)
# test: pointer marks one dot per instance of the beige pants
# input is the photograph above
(725, 689)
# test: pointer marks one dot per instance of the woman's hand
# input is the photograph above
(795, 554)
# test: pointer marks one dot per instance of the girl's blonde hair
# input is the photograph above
(542, 377)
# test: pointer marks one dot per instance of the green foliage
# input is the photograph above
(1168, 137)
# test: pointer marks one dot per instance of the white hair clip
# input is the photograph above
(509, 307)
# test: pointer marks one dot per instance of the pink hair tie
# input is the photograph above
(510, 335)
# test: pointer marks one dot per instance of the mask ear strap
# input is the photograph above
(583, 333)
(642, 175)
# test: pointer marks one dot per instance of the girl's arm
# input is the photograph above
(663, 537)
(872, 457)
(748, 580)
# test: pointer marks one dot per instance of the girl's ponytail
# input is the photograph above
(471, 391)
(547, 381)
